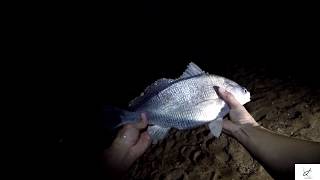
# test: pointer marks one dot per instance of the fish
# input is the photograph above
(187, 102)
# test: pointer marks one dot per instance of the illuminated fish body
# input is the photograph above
(184, 103)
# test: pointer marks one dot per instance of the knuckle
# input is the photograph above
(228, 96)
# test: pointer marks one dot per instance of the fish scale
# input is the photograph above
(186, 98)
(186, 102)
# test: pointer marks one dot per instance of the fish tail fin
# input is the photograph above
(114, 117)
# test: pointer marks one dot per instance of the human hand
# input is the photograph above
(131, 142)
(239, 116)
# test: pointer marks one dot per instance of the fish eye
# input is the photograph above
(245, 90)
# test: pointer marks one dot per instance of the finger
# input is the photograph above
(124, 130)
(228, 98)
(127, 136)
(142, 123)
(228, 127)
(141, 146)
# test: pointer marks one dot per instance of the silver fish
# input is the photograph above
(184, 103)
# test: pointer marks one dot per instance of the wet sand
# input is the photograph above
(281, 105)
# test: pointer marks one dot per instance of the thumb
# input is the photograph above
(228, 98)
(141, 146)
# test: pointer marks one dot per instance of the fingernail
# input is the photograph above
(147, 136)
(144, 117)
(221, 90)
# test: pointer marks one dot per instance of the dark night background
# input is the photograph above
(98, 54)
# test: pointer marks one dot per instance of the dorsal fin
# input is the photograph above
(150, 91)
(192, 70)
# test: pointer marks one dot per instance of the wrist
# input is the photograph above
(114, 157)
(118, 158)
(240, 132)
(114, 163)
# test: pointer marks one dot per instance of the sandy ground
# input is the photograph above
(283, 106)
